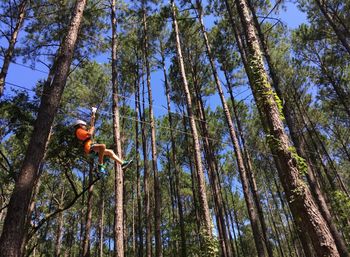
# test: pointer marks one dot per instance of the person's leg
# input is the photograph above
(112, 155)
(101, 150)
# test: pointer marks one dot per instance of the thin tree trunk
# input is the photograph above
(157, 192)
(86, 241)
(203, 202)
(101, 222)
(301, 201)
(258, 237)
(212, 170)
(118, 179)
(15, 226)
(174, 159)
(147, 217)
(138, 168)
(249, 167)
(242, 49)
(60, 220)
(12, 42)
(274, 226)
(323, 7)
(318, 195)
(229, 219)
(193, 179)
(235, 217)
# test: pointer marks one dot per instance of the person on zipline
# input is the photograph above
(85, 135)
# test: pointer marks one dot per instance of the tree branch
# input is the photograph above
(54, 213)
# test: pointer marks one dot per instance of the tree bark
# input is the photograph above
(15, 226)
(88, 218)
(60, 221)
(147, 207)
(250, 171)
(157, 192)
(174, 159)
(12, 42)
(203, 202)
(209, 158)
(299, 197)
(258, 237)
(138, 168)
(101, 222)
(118, 178)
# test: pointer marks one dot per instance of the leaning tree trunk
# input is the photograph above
(174, 159)
(258, 237)
(295, 138)
(342, 38)
(249, 167)
(16, 223)
(157, 192)
(289, 164)
(212, 175)
(118, 179)
(12, 42)
(203, 202)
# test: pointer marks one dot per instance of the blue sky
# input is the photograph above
(27, 77)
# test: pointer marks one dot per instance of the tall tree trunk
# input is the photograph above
(208, 156)
(118, 179)
(301, 201)
(242, 49)
(342, 38)
(101, 222)
(295, 138)
(60, 221)
(12, 42)
(229, 219)
(157, 192)
(138, 168)
(318, 195)
(203, 202)
(147, 207)
(250, 171)
(193, 179)
(235, 217)
(86, 241)
(314, 133)
(212, 169)
(15, 226)
(290, 222)
(274, 227)
(299, 144)
(174, 159)
(258, 237)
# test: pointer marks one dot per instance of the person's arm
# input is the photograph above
(92, 125)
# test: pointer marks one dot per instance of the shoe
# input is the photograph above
(126, 164)
(102, 169)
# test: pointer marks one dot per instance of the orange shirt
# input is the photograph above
(82, 134)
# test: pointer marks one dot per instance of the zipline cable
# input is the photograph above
(142, 102)
(162, 127)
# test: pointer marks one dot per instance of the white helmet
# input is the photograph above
(79, 122)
